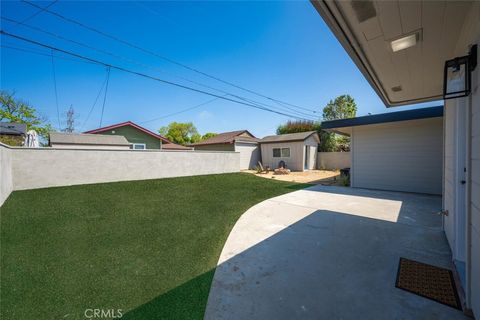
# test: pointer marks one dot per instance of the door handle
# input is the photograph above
(443, 212)
(463, 182)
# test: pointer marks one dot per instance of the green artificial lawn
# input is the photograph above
(146, 247)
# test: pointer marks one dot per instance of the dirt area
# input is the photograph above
(324, 177)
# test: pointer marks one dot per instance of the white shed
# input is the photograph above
(297, 150)
(398, 151)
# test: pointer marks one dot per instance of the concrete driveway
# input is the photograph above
(329, 253)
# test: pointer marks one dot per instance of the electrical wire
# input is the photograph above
(95, 102)
(41, 53)
(115, 38)
(146, 75)
(39, 11)
(285, 108)
(105, 96)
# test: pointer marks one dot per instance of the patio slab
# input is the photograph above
(329, 253)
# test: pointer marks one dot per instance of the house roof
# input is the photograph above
(228, 137)
(424, 113)
(174, 146)
(83, 138)
(130, 124)
(13, 128)
(299, 136)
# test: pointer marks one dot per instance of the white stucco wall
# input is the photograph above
(6, 183)
(334, 160)
(399, 156)
(47, 167)
(249, 154)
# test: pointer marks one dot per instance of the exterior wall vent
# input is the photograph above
(364, 10)
(397, 89)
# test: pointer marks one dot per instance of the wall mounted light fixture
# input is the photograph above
(457, 78)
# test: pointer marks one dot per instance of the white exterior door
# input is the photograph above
(455, 177)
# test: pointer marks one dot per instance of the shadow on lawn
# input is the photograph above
(181, 302)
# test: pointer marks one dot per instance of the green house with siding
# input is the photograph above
(139, 138)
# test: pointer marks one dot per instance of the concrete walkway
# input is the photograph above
(329, 253)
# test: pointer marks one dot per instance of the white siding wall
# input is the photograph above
(296, 160)
(399, 156)
(475, 199)
(249, 154)
(475, 183)
(470, 34)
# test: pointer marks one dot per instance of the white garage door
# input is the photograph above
(249, 154)
(399, 156)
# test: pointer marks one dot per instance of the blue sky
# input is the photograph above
(280, 49)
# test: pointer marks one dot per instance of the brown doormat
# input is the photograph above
(428, 281)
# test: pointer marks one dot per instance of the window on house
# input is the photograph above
(281, 152)
(139, 146)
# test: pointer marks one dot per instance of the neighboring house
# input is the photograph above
(139, 138)
(240, 141)
(402, 47)
(62, 140)
(297, 150)
(397, 151)
(13, 133)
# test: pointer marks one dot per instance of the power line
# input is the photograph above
(181, 111)
(40, 11)
(285, 108)
(56, 93)
(105, 96)
(41, 53)
(145, 75)
(95, 102)
(161, 56)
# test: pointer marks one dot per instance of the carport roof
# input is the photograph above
(424, 113)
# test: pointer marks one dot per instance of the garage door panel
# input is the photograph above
(401, 156)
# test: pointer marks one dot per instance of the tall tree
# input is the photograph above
(181, 133)
(342, 107)
(19, 111)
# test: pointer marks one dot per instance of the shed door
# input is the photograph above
(307, 156)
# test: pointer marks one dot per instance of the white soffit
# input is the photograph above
(367, 28)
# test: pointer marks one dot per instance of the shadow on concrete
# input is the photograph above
(327, 265)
